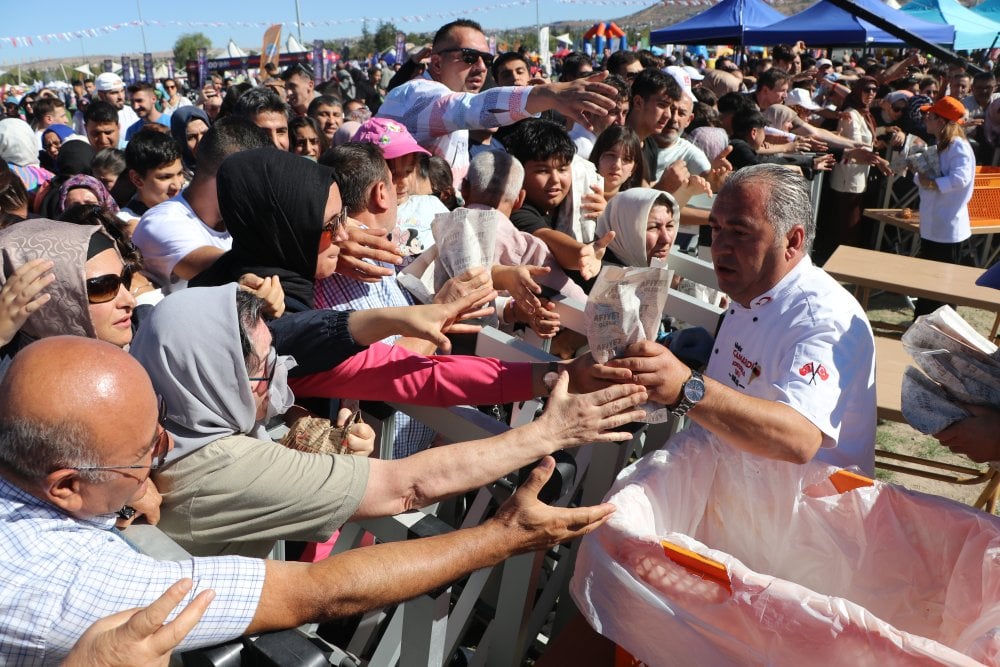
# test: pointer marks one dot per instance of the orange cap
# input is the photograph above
(948, 108)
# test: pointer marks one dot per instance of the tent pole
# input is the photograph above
(904, 34)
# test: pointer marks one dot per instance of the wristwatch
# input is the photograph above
(126, 512)
(692, 391)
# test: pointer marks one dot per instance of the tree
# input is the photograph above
(186, 47)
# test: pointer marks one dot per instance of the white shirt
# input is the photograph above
(126, 118)
(682, 149)
(806, 343)
(944, 211)
(583, 139)
(167, 233)
(61, 574)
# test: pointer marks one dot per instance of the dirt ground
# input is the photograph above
(903, 439)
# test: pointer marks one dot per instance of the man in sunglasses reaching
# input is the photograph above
(440, 110)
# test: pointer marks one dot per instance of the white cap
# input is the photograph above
(694, 73)
(108, 81)
(800, 97)
(680, 76)
(824, 62)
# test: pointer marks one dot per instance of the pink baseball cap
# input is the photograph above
(392, 137)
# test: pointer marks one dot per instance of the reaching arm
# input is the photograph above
(442, 472)
(197, 261)
(377, 576)
(766, 428)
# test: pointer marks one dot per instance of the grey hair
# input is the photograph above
(494, 177)
(31, 449)
(249, 311)
(787, 202)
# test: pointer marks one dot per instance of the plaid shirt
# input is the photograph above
(61, 574)
(345, 293)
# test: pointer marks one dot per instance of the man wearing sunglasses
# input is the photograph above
(440, 110)
(66, 465)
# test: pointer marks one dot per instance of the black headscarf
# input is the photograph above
(75, 157)
(179, 120)
(273, 203)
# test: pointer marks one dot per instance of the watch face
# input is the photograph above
(694, 389)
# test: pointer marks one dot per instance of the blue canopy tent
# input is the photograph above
(990, 9)
(724, 23)
(826, 24)
(972, 31)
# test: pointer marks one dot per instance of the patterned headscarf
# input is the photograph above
(104, 198)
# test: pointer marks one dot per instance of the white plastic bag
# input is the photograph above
(874, 576)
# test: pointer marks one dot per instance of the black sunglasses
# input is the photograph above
(105, 288)
(899, 109)
(869, 89)
(470, 56)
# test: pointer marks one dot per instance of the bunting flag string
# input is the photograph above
(31, 40)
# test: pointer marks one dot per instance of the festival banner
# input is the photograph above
(270, 49)
(147, 65)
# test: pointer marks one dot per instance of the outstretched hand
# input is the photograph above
(652, 366)
(432, 321)
(577, 419)
(591, 255)
(139, 636)
(363, 244)
(22, 295)
(578, 100)
(519, 282)
(533, 525)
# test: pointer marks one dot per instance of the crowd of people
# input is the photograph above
(177, 275)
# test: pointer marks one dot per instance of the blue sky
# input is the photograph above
(34, 18)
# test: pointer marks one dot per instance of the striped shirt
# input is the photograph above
(440, 119)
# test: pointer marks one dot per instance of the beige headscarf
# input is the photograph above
(627, 214)
(66, 245)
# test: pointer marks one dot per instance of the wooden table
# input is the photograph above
(922, 278)
(891, 216)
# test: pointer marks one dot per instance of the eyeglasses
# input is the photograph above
(869, 89)
(331, 229)
(105, 288)
(160, 446)
(470, 56)
(273, 356)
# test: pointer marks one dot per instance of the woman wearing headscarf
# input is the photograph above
(188, 125)
(19, 149)
(645, 224)
(83, 189)
(75, 157)
(88, 291)
(227, 488)
(53, 137)
(285, 217)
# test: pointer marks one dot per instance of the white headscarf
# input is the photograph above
(18, 144)
(190, 346)
(627, 215)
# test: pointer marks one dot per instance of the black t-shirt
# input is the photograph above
(530, 219)
(743, 155)
(650, 151)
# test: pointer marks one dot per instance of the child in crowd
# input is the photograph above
(154, 167)
(546, 152)
(617, 154)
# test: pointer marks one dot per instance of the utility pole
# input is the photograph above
(142, 26)
(298, 21)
